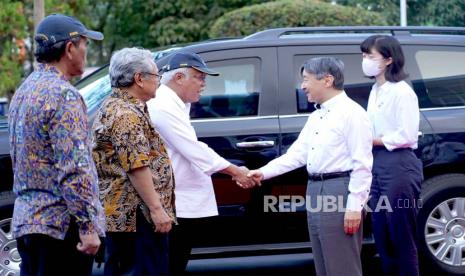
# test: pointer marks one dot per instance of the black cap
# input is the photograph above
(58, 27)
(187, 59)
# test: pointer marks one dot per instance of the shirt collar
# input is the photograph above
(123, 94)
(334, 100)
(168, 92)
(44, 67)
(384, 87)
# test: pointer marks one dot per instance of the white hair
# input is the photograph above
(127, 62)
(168, 76)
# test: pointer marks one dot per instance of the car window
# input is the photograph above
(442, 78)
(356, 85)
(3, 107)
(234, 93)
(95, 91)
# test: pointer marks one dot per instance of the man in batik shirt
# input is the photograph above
(135, 175)
(57, 206)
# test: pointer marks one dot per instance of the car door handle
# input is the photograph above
(255, 144)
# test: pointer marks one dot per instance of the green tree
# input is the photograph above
(16, 19)
(419, 12)
(443, 13)
(13, 27)
(154, 23)
(77, 8)
(388, 8)
(290, 13)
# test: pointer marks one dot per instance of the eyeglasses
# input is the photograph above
(154, 74)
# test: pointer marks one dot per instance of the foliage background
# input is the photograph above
(291, 13)
(155, 23)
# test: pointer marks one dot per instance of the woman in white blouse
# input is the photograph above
(397, 172)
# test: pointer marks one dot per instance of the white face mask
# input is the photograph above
(371, 68)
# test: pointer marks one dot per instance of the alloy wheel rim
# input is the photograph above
(445, 232)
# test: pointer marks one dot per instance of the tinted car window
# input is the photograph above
(356, 85)
(3, 107)
(442, 80)
(95, 92)
(234, 93)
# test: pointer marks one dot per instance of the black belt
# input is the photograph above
(326, 176)
(378, 148)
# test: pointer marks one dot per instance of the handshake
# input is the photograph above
(246, 178)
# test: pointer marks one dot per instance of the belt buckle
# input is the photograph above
(317, 176)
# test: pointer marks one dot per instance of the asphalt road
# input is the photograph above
(284, 264)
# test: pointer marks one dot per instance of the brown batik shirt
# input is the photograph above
(124, 140)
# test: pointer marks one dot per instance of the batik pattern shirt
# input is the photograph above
(125, 139)
(54, 173)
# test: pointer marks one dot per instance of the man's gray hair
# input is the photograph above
(127, 62)
(323, 66)
(168, 76)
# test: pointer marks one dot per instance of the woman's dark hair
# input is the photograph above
(388, 47)
(46, 53)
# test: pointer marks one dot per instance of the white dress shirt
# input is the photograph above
(336, 138)
(193, 161)
(393, 110)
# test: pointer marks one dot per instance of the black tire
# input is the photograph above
(440, 191)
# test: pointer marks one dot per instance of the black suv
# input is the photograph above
(253, 112)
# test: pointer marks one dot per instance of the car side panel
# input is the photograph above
(241, 218)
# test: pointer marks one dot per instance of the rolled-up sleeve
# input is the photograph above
(77, 176)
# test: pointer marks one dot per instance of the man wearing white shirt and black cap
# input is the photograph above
(194, 162)
(335, 145)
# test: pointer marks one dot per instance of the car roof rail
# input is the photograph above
(394, 30)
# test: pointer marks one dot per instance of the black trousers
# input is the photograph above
(397, 178)
(137, 253)
(181, 242)
(44, 255)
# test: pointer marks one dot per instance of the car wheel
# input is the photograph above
(9, 255)
(441, 223)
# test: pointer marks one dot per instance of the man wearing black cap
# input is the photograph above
(193, 162)
(57, 217)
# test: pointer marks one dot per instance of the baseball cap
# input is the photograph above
(59, 27)
(185, 60)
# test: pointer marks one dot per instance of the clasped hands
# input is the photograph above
(246, 178)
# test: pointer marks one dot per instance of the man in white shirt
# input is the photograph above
(335, 145)
(193, 161)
